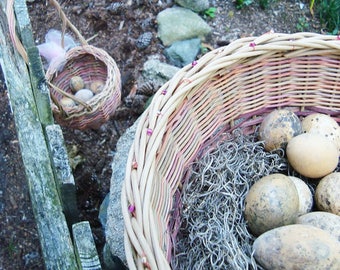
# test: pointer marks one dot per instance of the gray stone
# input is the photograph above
(115, 223)
(110, 261)
(177, 23)
(144, 40)
(103, 211)
(183, 52)
(156, 72)
(194, 5)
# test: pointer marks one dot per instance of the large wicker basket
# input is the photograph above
(244, 80)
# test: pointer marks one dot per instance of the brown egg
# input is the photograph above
(267, 206)
(297, 246)
(76, 83)
(97, 86)
(278, 127)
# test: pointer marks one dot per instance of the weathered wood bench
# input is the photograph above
(65, 243)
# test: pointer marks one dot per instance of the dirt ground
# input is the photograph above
(113, 26)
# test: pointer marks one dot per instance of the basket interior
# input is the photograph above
(87, 66)
(221, 92)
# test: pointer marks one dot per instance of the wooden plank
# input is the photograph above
(62, 173)
(85, 246)
(37, 75)
(54, 235)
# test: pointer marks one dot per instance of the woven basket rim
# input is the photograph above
(143, 227)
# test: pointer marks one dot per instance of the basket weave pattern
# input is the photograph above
(91, 64)
(232, 86)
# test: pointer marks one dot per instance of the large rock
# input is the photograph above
(115, 223)
(194, 5)
(175, 24)
(156, 72)
(183, 52)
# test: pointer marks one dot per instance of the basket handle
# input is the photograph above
(66, 22)
(11, 27)
(16, 41)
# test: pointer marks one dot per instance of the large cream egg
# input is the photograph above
(322, 124)
(312, 155)
(305, 195)
(297, 246)
(278, 127)
(327, 193)
(323, 220)
(271, 202)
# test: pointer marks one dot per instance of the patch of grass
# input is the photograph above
(264, 3)
(302, 24)
(12, 247)
(328, 12)
(210, 12)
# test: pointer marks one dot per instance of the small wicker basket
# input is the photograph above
(91, 64)
(242, 81)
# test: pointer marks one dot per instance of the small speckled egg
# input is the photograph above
(297, 246)
(97, 86)
(323, 220)
(67, 102)
(305, 195)
(322, 124)
(271, 202)
(312, 155)
(327, 193)
(84, 95)
(278, 127)
(76, 83)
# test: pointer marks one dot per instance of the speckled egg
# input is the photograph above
(305, 195)
(312, 155)
(278, 127)
(76, 83)
(322, 124)
(323, 220)
(297, 246)
(267, 205)
(327, 193)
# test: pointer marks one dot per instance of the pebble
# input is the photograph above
(116, 8)
(144, 40)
